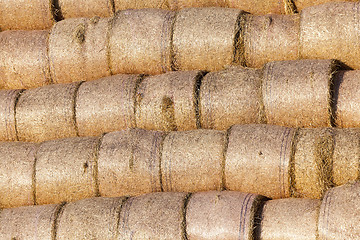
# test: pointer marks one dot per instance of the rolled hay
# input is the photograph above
(106, 105)
(222, 215)
(346, 159)
(8, 100)
(258, 160)
(66, 170)
(78, 49)
(260, 7)
(340, 213)
(16, 179)
(211, 43)
(330, 31)
(168, 102)
(46, 113)
(26, 15)
(153, 216)
(302, 4)
(23, 60)
(131, 4)
(232, 96)
(270, 38)
(31, 222)
(180, 4)
(86, 8)
(94, 218)
(188, 157)
(140, 41)
(129, 163)
(312, 163)
(290, 219)
(298, 93)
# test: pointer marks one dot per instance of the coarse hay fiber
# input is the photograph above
(86, 8)
(131, 4)
(8, 100)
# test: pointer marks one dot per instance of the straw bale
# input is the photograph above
(294, 219)
(131, 4)
(86, 8)
(8, 100)
(270, 38)
(302, 4)
(232, 96)
(129, 163)
(153, 216)
(297, 93)
(93, 218)
(259, 7)
(180, 4)
(66, 170)
(221, 215)
(23, 59)
(188, 157)
(46, 113)
(168, 101)
(106, 105)
(210, 43)
(140, 41)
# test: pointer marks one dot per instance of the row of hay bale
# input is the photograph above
(274, 161)
(154, 41)
(198, 216)
(299, 93)
(42, 14)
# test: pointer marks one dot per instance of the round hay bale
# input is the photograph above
(221, 215)
(8, 100)
(229, 97)
(291, 218)
(131, 4)
(270, 38)
(78, 49)
(188, 157)
(46, 113)
(26, 15)
(86, 8)
(31, 222)
(66, 170)
(106, 105)
(129, 163)
(140, 41)
(210, 43)
(259, 7)
(311, 171)
(258, 160)
(340, 213)
(180, 4)
(153, 216)
(302, 4)
(168, 102)
(330, 31)
(94, 218)
(297, 93)
(16, 179)
(23, 59)
(346, 157)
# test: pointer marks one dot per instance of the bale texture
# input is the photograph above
(46, 113)
(167, 102)
(106, 105)
(78, 49)
(153, 216)
(131, 4)
(129, 163)
(229, 97)
(258, 7)
(66, 170)
(340, 213)
(16, 178)
(221, 215)
(140, 41)
(188, 158)
(93, 218)
(258, 160)
(8, 99)
(86, 8)
(302, 4)
(294, 219)
(180, 4)
(23, 59)
(30, 223)
(297, 93)
(330, 31)
(25, 15)
(210, 43)
(270, 38)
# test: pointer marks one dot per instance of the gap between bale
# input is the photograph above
(56, 10)
(57, 216)
(197, 101)
(292, 177)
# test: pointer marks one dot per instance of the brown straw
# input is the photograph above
(8, 100)
(86, 8)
